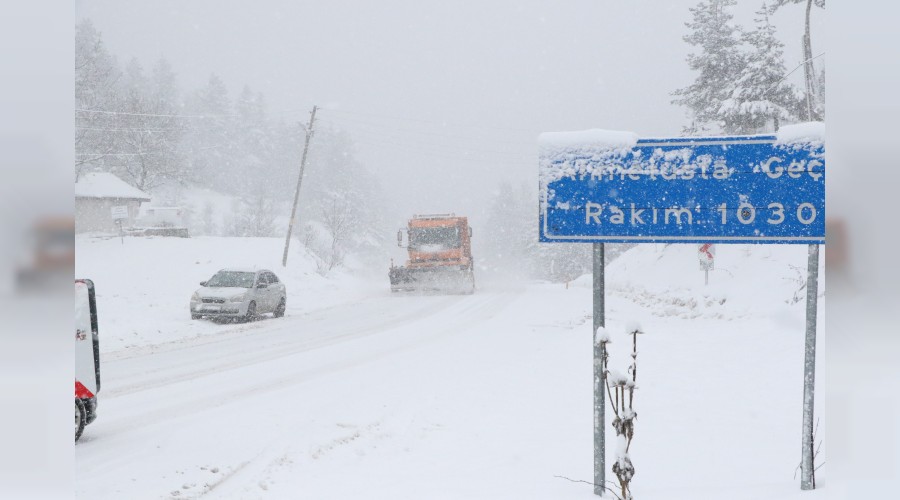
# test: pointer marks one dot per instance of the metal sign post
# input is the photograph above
(119, 214)
(599, 369)
(807, 467)
(611, 187)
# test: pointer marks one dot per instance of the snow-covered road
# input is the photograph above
(358, 393)
(168, 409)
(484, 396)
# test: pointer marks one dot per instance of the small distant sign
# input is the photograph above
(707, 254)
(119, 212)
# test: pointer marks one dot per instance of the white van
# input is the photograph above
(87, 355)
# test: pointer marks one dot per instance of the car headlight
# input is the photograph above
(238, 298)
(195, 297)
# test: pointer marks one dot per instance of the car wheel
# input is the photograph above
(80, 417)
(195, 316)
(279, 309)
(251, 312)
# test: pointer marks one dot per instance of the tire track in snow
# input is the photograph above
(267, 349)
(471, 313)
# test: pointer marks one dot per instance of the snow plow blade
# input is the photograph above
(440, 280)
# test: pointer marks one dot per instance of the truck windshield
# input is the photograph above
(231, 278)
(433, 239)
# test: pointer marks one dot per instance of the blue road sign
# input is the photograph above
(743, 189)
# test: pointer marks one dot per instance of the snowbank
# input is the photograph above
(144, 285)
(748, 280)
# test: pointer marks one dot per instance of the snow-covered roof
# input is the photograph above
(106, 185)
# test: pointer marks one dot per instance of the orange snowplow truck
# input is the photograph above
(440, 256)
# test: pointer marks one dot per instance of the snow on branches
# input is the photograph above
(620, 388)
(741, 84)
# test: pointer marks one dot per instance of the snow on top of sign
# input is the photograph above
(106, 185)
(804, 133)
(566, 154)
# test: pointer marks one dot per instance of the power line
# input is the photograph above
(789, 73)
(160, 115)
(101, 155)
(133, 129)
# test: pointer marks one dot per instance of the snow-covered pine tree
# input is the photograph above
(252, 179)
(168, 126)
(820, 102)
(718, 64)
(761, 98)
(511, 243)
(208, 140)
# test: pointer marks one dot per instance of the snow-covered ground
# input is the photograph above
(361, 394)
(144, 285)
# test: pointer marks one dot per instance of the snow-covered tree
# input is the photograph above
(511, 240)
(208, 225)
(761, 96)
(96, 77)
(813, 104)
(341, 196)
(718, 64)
(253, 147)
(208, 140)
(148, 130)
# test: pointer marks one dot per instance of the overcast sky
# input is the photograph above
(443, 99)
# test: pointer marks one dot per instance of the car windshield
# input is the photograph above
(433, 239)
(231, 278)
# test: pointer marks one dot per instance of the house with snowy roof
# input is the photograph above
(96, 193)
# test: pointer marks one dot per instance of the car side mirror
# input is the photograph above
(202, 283)
(470, 231)
(262, 285)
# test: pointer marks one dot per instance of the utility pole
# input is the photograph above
(309, 134)
(809, 69)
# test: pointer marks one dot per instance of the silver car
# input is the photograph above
(239, 293)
